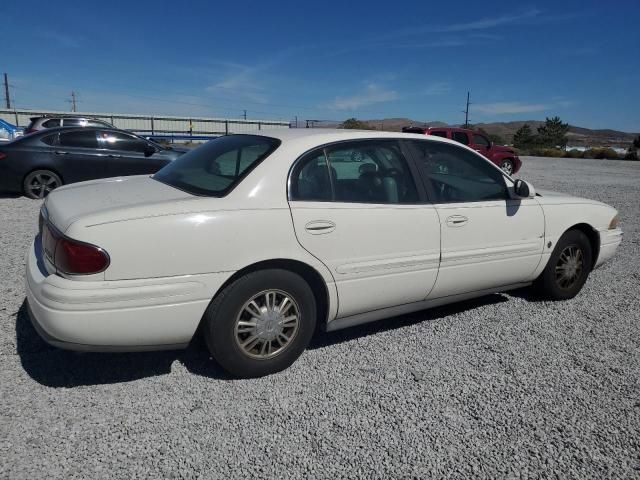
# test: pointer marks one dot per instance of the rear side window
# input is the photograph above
(79, 139)
(362, 172)
(74, 122)
(121, 141)
(460, 137)
(480, 140)
(54, 122)
(50, 139)
(218, 166)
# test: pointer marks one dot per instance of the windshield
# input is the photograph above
(216, 167)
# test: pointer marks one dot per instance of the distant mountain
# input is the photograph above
(578, 136)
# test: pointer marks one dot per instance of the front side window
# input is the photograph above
(458, 175)
(480, 140)
(439, 133)
(79, 139)
(216, 167)
(363, 172)
(460, 137)
(54, 122)
(121, 141)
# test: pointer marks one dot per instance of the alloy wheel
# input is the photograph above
(507, 167)
(267, 324)
(41, 184)
(569, 267)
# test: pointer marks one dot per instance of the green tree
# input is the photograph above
(632, 151)
(355, 124)
(553, 133)
(524, 137)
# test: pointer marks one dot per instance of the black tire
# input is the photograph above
(507, 166)
(221, 318)
(39, 183)
(553, 284)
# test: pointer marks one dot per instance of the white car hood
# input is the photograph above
(548, 197)
(98, 198)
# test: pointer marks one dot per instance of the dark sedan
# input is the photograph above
(37, 163)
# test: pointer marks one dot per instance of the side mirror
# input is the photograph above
(524, 189)
(149, 150)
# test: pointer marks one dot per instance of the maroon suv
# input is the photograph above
(504, 157)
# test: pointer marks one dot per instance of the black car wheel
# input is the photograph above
(39, 183)
(507, 166)
(568, 267)
(260, 323)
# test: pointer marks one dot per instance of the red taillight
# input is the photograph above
(3, 156)
(70, 256)
(78, 258)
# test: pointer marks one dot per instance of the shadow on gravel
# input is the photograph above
(53, 367)
(332, 338)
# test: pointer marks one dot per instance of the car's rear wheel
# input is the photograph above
(507, 166)
(39, 183)
(568, 267)
(260, 323)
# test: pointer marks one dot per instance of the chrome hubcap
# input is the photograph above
(267, 324)
(569, 267)
(41, 184)
(507, 168)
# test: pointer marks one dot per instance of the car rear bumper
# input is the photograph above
(609, 241)
(125, 315)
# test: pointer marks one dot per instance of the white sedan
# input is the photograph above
(256, 239)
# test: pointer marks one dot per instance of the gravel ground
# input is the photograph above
(501, 387)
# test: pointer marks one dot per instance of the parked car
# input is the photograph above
(44, 122)
(505, 157)
(9, 131)
(252, 239)
(38, 163)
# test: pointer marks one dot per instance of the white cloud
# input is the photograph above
(437, 88)
(490, 22)
(372, 94)
(502, 108)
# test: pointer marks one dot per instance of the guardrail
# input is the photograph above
(156, 125)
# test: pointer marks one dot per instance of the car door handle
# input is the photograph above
(60, 152)
(318, 227)
(457, 221)
(113, 155)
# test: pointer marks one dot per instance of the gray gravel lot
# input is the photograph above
(502, 387)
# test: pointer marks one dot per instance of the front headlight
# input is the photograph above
(614, 222)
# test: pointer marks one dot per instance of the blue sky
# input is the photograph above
(330, 60)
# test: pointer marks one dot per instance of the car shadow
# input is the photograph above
(57, 368)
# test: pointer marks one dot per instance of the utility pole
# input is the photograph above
(73, 101)
(466, 113)
(6, 92)
(296, 121)
(244, 114)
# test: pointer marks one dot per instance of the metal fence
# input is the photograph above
(156, 125)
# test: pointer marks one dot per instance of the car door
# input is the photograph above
(126, 154)
(357, 208)
(489, 240)
(480, 144)
(78, 157)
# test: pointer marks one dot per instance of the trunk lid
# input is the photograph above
(129, 196)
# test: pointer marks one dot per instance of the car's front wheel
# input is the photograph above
(507, 166)
(260, 323)
(568, 267)
(39, 183)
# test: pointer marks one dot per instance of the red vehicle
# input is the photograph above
(504, 157)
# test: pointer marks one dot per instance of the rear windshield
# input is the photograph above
(216, 167)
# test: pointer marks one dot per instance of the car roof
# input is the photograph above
(319, 136)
